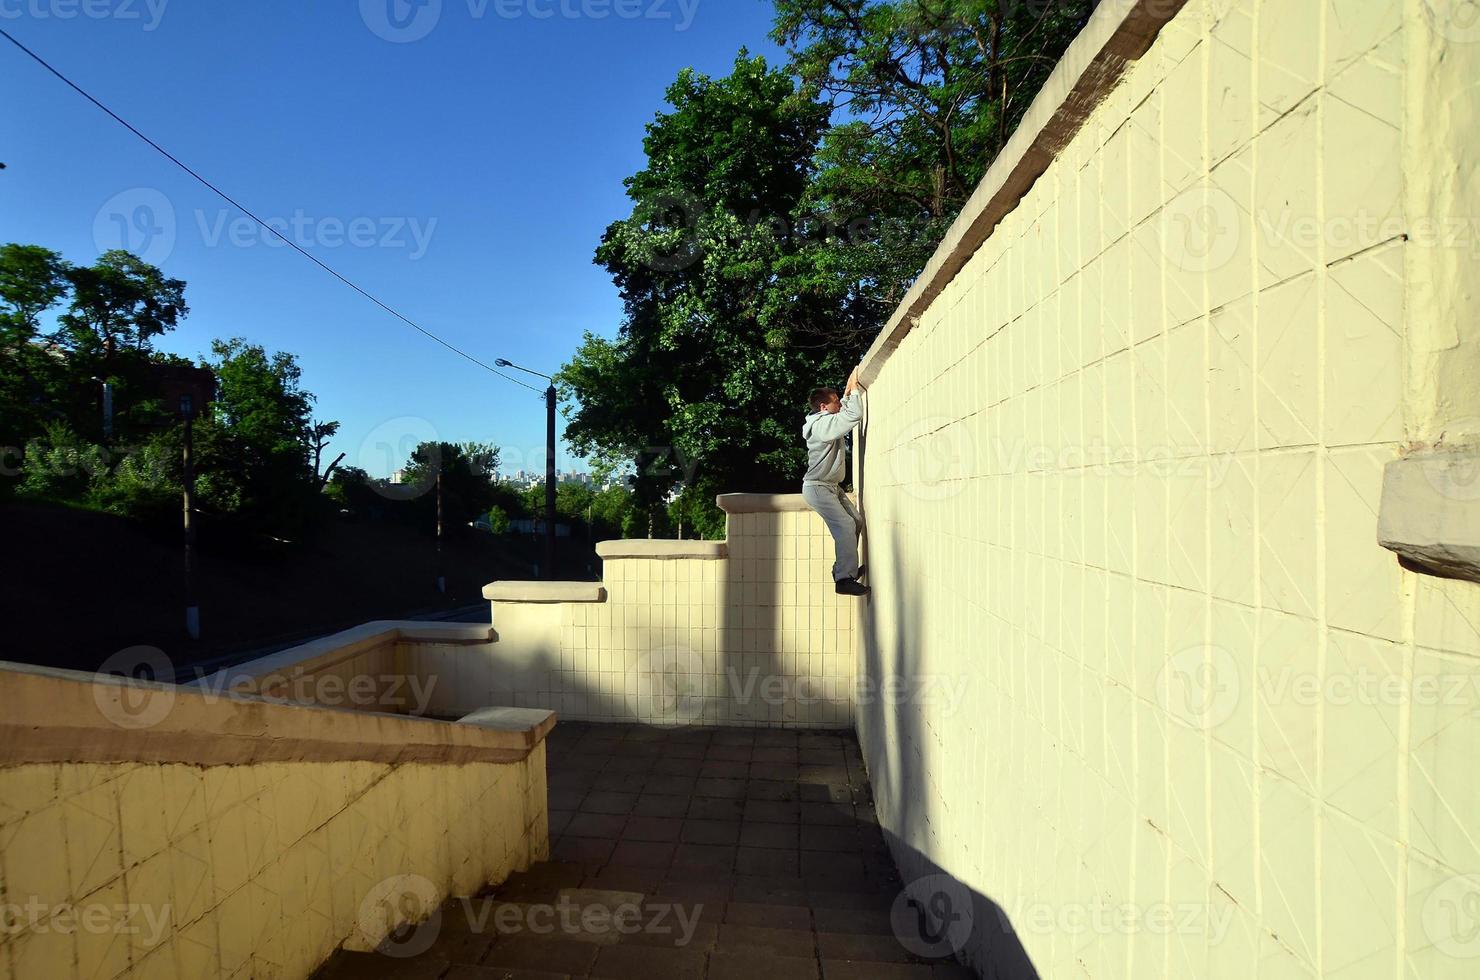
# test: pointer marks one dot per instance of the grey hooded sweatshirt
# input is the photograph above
(827, 451)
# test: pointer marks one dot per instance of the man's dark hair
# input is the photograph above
(819, 396)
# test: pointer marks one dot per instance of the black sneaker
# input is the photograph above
(862, 570)
(851, 586)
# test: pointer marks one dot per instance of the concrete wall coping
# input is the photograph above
(327, 651)
(760, 503)
(662, 548)
(1118, 32)
(71, 716)
(511, 591)
(1430, 513)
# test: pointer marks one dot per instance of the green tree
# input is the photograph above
(32, 280)
(467, 482)
(928, 93)
(254, 444)
(705, 382)
(120, 302)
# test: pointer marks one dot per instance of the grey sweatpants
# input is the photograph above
(842, 520)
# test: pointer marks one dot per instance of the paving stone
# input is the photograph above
(652, 828)
(874, 921)
(710, 832)
(657, 805)
(375, 966)
(724, 769)
(729, 753)
(862, 946)
(827, 814)
(602, 825)
(818, 837)
(781, 835)
(770, 811)
(730, 789)
(634, 962)
(774, 753)
(586, 850)
(558, 820)
(869, 970)
(717, 857)
(771, 789)
(768, 915)
(674, 766)
(608, 802)
(760, 966)
(465, 972)
(716, 809)
(774, 771)
(777, 889)
(682, 785)
(761, 939)
(766, 861)
(643, 854)
(526, 952)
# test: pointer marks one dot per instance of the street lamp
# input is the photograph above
(549, 463)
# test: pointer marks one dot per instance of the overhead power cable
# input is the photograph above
(244, 210)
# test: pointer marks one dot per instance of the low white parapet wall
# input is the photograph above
(746, 631)
(155, 830)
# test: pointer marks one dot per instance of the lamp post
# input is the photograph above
(549, 463)
(192, 609)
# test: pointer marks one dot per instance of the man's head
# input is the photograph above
(826, 400)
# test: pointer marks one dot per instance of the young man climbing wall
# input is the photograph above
(825, 432)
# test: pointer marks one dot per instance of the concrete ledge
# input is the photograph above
(1430, 513)
(544, 592)
(760, 503)
(71, 716)
(656, 548)
(1118, 32)
(511, 719)
(329, 651)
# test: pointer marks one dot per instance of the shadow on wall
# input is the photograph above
(890, 734)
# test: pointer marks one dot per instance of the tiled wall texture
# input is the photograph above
(150, 870)
(1121, 483)
(755, 638)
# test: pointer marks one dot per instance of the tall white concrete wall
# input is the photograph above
(1122, 480)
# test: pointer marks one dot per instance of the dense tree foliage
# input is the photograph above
(780, 218)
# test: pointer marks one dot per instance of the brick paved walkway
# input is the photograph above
(719, 853)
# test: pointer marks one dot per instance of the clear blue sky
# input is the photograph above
(482, 160)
